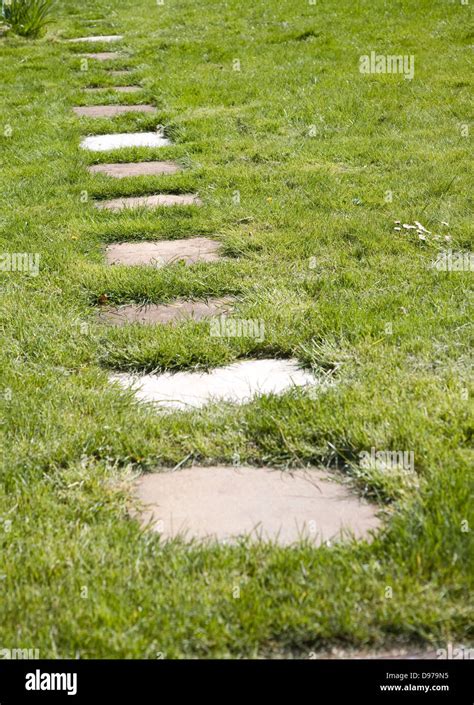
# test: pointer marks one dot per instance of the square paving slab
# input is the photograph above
(223, 503)
(104, 143)
(162, 252)
(158, 199)
(237, 383)
(102, 55)
(176, 312)
(99, 38)
(120, 171)
(112, 110)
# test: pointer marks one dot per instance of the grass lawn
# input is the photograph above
(303, 163)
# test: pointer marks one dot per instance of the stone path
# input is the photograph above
(98, 38)
(120, 171)
(238, 383)
(221, 502)
(112, 110)
(177, 312)
(224, 503)
(101, 55)
(160, 253)
(154, 201)
(106, 143)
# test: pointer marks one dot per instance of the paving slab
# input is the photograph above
(101, 55)
(154, 201)
(162, 252)
(112, 110)
(121, 171)
(98, 38)
(176, 312)
(104, 143)
(224, 503)
(238, 383)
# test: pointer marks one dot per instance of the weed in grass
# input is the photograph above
(27, 18)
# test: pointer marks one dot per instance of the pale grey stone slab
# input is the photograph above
(102, 55)
(225, 503)
(237, 383)
(98, 38)
(104, 143)
(126, 169)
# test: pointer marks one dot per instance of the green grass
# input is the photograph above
(71, 443)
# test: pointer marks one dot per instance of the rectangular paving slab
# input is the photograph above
(237, 383)
(155, 201)
(104, 143)
(102, 55)
(98, 38)
(162, 252)
(112, 110)
(224, 503)
(176, 312)
(120, 171)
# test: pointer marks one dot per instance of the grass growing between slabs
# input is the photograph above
(293, 157)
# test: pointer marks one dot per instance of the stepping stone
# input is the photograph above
(112, 110)
(223, 503)
(103, 143)
(165, 199)
(117, 89)
(162, 252)
(237, 383)
(98, 38)
(150, 314)
(120, 171)
(102, 55)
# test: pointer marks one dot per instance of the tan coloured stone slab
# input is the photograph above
(165, 199)
(120, 171)
(176, 312)
(224, 503)
(102, 55)
(160, 253)
(98, 38)
(238, 383)
(112, 110)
